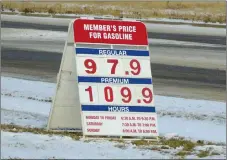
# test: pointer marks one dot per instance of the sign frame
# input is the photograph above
(72, 33)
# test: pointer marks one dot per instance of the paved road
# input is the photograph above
(163, 51)
(191, 71)
(158, 35)
(51, 61)
(169, 80)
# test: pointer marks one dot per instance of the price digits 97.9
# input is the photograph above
(91, 66)
(125, 92)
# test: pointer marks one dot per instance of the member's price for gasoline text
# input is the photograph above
(106, 94)
(113, 66)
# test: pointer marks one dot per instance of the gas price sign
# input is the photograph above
(115, 85)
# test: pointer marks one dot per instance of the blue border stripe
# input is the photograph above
(109, 108)
(111, 52)
(115, 80)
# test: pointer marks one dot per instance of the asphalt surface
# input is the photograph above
(52, 62)
(167, 36)
(170, 77)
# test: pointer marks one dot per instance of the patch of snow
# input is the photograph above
(38, 113)
(30, 146)
(24, 119)
(176, 115)
(27, 88)
(32, 34)
(172, 106)
(193, 129)
(25, 105)
(199, 109)
(171, 135)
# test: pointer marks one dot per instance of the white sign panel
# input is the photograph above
(115, 85)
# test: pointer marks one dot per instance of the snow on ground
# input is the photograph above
(32, 34)
(195, 129)
(38, 89)
(22, 118)
(26, 103)
(31, 146)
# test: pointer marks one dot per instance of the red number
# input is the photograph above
(90, 65)
(147, 93)
(135, 65)
(127, 95)
(89, 89)
(115, 62)
(108, 93)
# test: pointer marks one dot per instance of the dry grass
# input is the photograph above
(19, 129)
(182, 154)
(196, 11)
(180, 142)
(202, 154)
